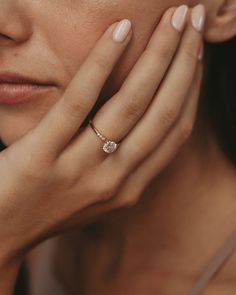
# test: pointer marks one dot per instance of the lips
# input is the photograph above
(16, 78)
(19, 93)
(16, 88)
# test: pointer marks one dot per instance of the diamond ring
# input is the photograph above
(109, 146)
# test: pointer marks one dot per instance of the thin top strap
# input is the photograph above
(215, 264)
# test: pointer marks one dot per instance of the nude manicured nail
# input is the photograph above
(121, 30)
(179, 17)
(198, 17)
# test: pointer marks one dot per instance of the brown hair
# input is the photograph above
(219, 89)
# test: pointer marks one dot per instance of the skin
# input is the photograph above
(73, 189)
(66, 57)
(76, 18)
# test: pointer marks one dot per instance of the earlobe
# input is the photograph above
(222, 24)
(228, 6)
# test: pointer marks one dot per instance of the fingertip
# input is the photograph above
(121, 30)
(167, 15)
(179, 17)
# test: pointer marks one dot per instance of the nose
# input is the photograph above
(15, 23)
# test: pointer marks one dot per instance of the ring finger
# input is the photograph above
(119, 115)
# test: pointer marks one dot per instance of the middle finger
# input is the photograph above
(169, 100)
(119, 115)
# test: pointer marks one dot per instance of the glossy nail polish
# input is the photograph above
(121, 30)
(198, 17)
(179, 17)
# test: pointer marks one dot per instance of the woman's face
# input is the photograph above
(50, 39)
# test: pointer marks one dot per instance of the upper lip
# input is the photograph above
(9, 77)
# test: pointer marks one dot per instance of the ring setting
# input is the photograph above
(109, 146)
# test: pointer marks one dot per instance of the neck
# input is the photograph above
(183, 217)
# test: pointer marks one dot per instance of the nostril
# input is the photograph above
(5, 40)
(4, 36)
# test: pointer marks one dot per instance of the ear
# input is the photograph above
(221, 23)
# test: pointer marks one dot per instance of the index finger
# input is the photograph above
(64, 119)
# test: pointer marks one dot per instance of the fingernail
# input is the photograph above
(198, 17)
(201, 52)
(179, 17)
(121, 30)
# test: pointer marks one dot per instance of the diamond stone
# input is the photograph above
(109, 147)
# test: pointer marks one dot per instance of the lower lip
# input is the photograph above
(11, 93)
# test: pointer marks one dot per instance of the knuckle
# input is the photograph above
(131, 201)
(33, 165)
(131, 196)
(67, 173)
(191, 53)
(77, 106)
(169, 115)
(130, 103)
(165, 53)
(33, 172)
(106, 190)
(132, 109)
(140, 147)
(108, 182)
(100, 61)
(185, 131)
(161, 50)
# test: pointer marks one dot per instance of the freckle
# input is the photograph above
(16, 54)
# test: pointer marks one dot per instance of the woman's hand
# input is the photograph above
(55, 178)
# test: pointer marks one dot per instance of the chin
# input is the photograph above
(16, 121)
(11, 131)
(9, 136)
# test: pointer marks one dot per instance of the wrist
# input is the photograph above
(11, 257)
(8, 275)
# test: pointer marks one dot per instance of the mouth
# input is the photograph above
(15, 88)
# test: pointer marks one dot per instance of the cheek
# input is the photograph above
(68, 34)
(72, 35)
(73, 30)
